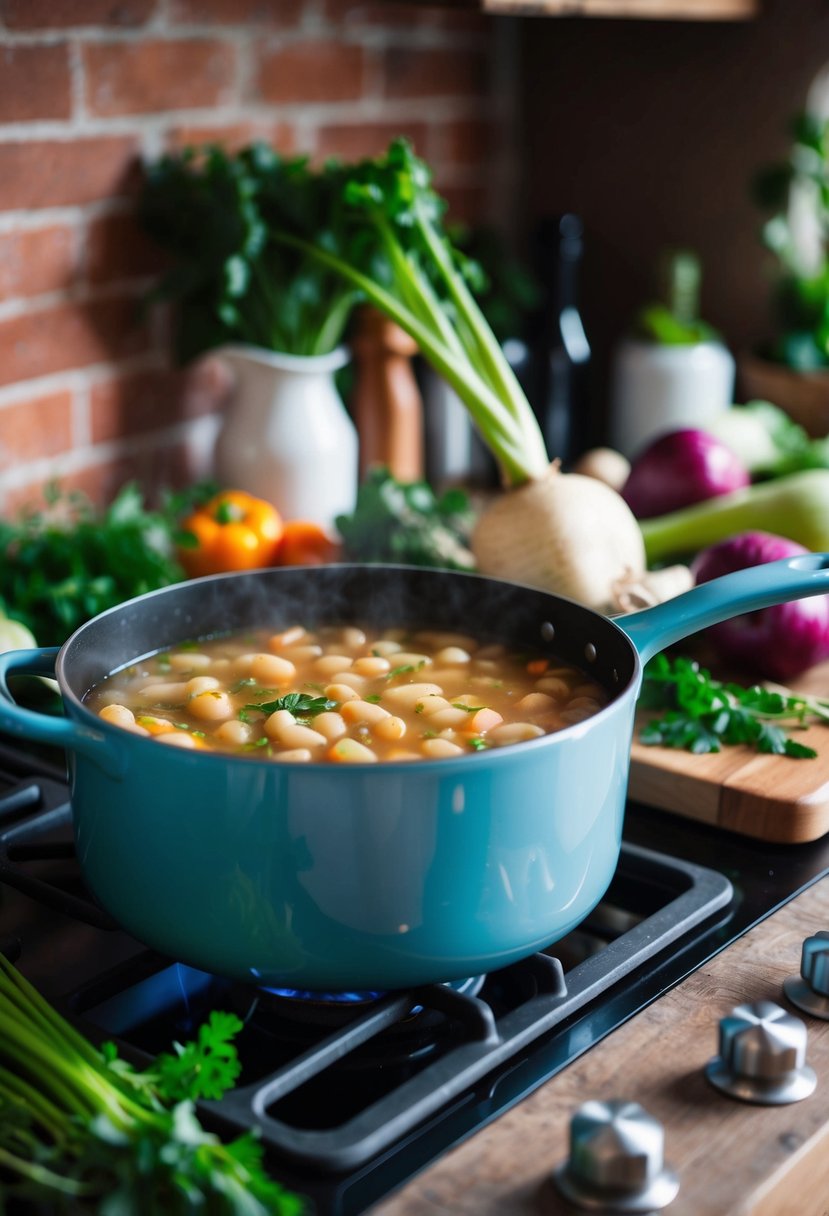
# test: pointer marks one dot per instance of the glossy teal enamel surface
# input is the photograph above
(366, 876)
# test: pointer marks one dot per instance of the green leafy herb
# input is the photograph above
(203, 1068)
(215, 213)
(81, 1131)
(406, 522)
(297, 703)
(374, 698)
(64, 564)
(240, 684)
(405, 669)
(702, 713)
(467, 709)
(478, 744)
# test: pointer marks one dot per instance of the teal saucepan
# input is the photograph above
(380, 876)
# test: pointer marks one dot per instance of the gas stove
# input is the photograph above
(353, 1093)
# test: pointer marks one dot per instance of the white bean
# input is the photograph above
(332, 664)
(294, 755)
(330, 724)
(407, 658)
(514, 732)
(201, 684)
(410, 694)
(371, 665)
(288, 637)
(214, 705)
(178, 738)
(535, 703)
(438, 749)
(442, 718)
(385, 647)
(353, 679)
(363, 711)
(340, 692)
(554, 686)
(283, 727)
(271, 669)
(390, 728)
(163, 694)
(234, 732)
(349, 751)
(118, 715)
(453, 655)
(301, 654)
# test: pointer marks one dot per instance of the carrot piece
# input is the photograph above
(537, 667)
(305, 543)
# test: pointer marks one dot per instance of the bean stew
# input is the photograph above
(345, 694)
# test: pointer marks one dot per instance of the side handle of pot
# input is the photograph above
(791, 578)
(43, 728)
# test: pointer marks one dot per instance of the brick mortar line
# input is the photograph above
(96, 455)
(20, 220)
(75, 379)
(78, 293)
(324, 112)
(420, 37)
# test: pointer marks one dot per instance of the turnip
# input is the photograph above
(559, 531)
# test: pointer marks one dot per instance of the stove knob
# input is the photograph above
(762, 1056)
(615, 1163)
(810, 990)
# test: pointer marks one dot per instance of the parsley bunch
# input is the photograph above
(82, 1131)
(703, 713)
(64, 564)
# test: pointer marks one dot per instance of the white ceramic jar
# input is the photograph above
(286, 435)
(657, 388)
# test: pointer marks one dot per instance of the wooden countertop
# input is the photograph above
(733, 1159)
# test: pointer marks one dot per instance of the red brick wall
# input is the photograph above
(90, 87)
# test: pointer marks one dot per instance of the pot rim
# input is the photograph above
(443, 765)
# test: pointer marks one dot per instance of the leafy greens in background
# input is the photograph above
(405, 522)
(214, 213)
(799, 239)
(66, 563)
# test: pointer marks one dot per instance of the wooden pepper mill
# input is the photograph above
(388, 409)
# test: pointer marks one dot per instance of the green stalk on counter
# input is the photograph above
(82, 1131)
(796, 506)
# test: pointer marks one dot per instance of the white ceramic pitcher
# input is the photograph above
(286, 435)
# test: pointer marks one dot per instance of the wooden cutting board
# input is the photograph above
(771, 798)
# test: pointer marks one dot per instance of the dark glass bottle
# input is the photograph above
(562, 397)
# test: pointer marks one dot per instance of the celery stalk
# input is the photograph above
(796, 506)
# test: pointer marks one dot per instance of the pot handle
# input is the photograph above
(43, 728)
(790, 578)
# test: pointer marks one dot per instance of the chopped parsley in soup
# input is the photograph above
(345, 695)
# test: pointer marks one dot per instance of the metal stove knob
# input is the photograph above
(810, 990)
(616, 1160)
(762, 1056)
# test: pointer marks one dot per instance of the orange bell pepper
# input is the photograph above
(233, 531)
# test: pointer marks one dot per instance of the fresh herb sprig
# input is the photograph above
(702, 713)
(82, 1131)
(300, 704)
(64, 564)
(407, 522)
